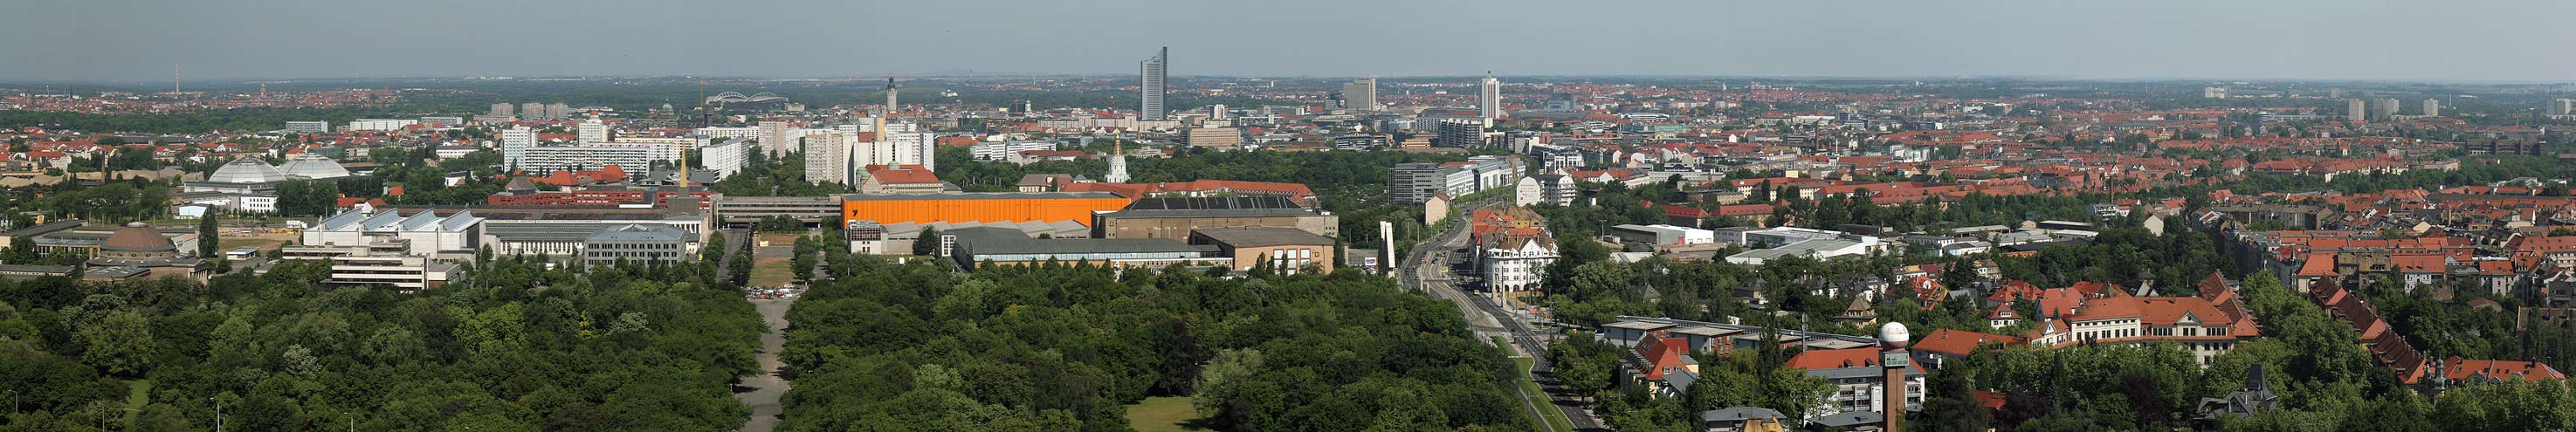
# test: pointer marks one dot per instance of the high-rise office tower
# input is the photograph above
(1489, 98)
(1154, 70)
(1360, 94)
(1217, 112)
(592, 131)
(2432, 108)
(514, 145)
(501, 110)
(2353, 110)
(532, 111)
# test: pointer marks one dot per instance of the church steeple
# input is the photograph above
(1117, 160)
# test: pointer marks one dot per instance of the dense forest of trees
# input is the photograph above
(518, 348)
(1064, 346)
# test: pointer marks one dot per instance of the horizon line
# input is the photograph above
(971, 74)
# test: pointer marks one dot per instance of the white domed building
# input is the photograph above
(248, 170)
(314, 167)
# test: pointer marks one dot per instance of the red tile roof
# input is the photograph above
(901, 174)
(1960, 342)
(2457, 369)
(1840, 358)
(1660, 353)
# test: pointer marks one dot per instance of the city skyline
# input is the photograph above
(2450, 42)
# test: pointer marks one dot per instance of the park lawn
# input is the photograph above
(1162, 414)
(772, 271)
(776, 239)
(1548, 413)
(138, 393)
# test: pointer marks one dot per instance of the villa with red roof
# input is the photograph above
(2206, 325)
(1943, 345)
(1663, 364)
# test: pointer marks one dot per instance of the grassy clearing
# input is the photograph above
(776, 239)
(138, 393)
(772, 271)
(1162, 414)
(1548, 413)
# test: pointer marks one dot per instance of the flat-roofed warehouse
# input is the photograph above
(1175, 218)
(980, 207)
(1005, 246)
(1289, 250)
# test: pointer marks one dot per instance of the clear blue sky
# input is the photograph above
(139, 40)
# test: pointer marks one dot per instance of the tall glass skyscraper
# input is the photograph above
(1153, 85)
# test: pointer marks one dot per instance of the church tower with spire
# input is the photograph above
(1117, 162)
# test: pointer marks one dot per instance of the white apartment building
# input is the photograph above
(308, 127)
(546, 159)
(745, 133)
(1544, 189)
(897, 148)
(379, 124)
(776, 137)
(1008, 150)
(827, 158)
(515, 142)
(592, 131)
(728, 158)
(664, 149)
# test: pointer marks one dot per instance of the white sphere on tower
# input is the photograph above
(1892, 335)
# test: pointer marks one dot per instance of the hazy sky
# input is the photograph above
(139, 40)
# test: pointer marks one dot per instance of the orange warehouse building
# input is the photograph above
(981, 207)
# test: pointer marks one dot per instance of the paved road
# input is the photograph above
(767, 387)
(734, 239)
(1422, 269)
